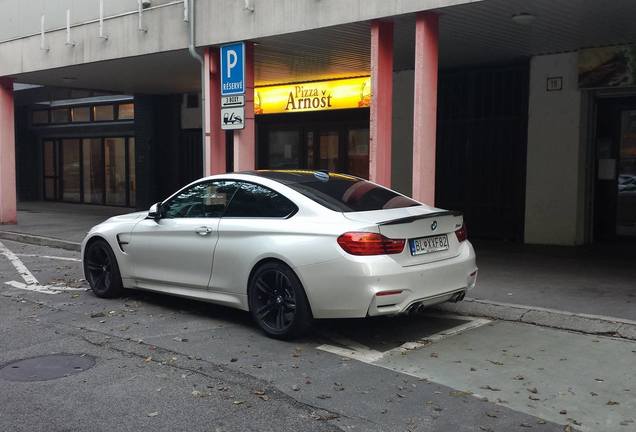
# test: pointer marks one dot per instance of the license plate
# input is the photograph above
(424, 245)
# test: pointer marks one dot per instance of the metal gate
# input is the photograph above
(481, 148)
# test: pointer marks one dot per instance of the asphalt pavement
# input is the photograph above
(163, 363)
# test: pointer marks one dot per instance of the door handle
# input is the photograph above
(203, 231)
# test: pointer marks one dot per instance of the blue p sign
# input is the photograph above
(233, 69)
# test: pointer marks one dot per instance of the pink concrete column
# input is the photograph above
(245, 139)
(207, 118)
(217, 135)
(380, 121)
(425, 107)
(8, 202)
(214, 148)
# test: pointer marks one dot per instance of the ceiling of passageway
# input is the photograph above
(471, 34)
(162, 73)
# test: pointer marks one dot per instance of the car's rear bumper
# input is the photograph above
(349, 287)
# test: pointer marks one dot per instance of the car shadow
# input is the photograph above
(377, 333)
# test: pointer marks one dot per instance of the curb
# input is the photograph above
(40, 240)
(583, 323)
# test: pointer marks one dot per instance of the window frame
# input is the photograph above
(172, 197)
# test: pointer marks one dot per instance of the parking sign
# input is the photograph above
(233, 69)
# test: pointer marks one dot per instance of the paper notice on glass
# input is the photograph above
(606, 169)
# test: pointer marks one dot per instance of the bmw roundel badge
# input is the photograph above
(434, 226)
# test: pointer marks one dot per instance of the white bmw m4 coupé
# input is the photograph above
(288, 246)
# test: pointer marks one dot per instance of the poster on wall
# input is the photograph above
(607, 67)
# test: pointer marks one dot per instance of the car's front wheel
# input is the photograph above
(278, 302)
(101, 270)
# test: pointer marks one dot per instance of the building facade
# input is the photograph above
(520, 113)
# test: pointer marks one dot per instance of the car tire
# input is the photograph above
(278, 302)
(101, 270)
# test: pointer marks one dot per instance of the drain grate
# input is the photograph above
(46, 367)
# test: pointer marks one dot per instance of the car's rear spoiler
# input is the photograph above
(410, 219)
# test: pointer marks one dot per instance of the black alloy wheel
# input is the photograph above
(101, 270)
(277, 301)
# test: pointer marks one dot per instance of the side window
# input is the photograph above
(206, 199)
(252, 200)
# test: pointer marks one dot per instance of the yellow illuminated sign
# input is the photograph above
(313, 96)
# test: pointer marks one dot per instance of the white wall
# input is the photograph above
(190, 117)
(555, 161)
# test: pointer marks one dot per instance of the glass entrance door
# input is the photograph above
(626, 200)
(336, 140)
(51, 165)
(71, 171)
(329, 150)
(90, 170)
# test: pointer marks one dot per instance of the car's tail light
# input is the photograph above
(462, 233)
(366, 243)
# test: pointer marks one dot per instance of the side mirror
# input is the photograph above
(155, 211)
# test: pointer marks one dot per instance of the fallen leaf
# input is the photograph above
(533, 390)
(197, 393)
(487, 387)
(458, 393)
(611, 402)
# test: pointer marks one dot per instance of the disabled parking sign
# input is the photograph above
(233, 69)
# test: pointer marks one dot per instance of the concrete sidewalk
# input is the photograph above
(589, 289)
(57, 224)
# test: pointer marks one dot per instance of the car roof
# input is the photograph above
(297, 176)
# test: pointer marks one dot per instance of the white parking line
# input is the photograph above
(356, 351)
(50, 257)
(19, 266)
(30, 282)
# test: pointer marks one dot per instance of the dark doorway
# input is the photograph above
(615, 180)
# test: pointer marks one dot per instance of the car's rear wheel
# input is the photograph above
(101, 270)
(278, 302)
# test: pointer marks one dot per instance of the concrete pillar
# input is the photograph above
(380, 122)
(425, 107)
(8, 202)
(214, 150)
(245, 139)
